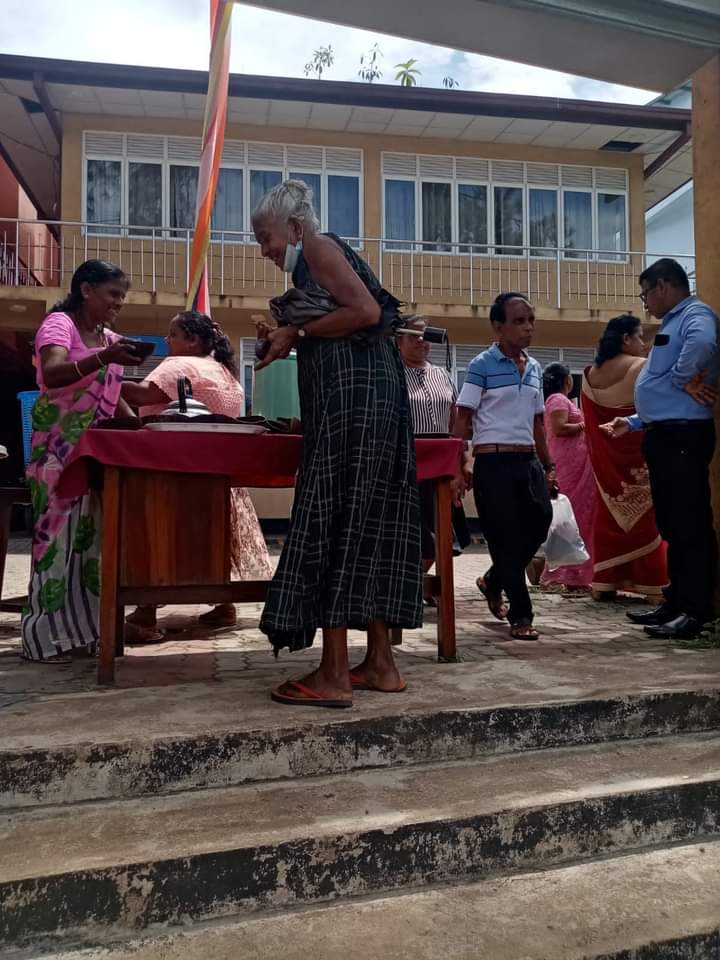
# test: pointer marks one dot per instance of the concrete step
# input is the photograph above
(118, 865)
(657, 905)
(131, 743)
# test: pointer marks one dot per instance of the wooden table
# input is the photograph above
(166, 519)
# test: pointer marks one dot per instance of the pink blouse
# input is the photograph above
(212, 384)
(59, 330)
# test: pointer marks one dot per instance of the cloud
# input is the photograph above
(173, 33)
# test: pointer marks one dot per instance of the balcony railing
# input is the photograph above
(157, 260)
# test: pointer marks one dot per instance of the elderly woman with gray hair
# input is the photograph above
(352, 556)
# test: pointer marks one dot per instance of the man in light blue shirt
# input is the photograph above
(674, 399)
(501, 406)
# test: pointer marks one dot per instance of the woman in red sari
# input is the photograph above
(627, 551)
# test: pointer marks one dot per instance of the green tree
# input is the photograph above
(369, 64)
(407, 73)
(322, 59)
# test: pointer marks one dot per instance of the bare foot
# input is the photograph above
(370, 676)
(329, 688)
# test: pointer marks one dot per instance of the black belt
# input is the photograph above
(660, 424)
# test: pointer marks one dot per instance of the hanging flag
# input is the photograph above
(212, 147)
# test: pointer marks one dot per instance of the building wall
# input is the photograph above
(372, 144)
(670, 227)
(31, 241)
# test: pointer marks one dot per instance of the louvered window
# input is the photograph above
(469, 205)
(146, 185)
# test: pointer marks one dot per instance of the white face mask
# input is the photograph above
(292, 255)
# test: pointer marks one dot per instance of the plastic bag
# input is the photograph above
(564, 546)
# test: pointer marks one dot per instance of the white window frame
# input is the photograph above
(416, 245)
(489, 213)
(563, 247)
(558, 213)
(452, 242)
(158, 231)
(123, 190)
(494, 246)
(621, 256)
(164, 230)
(412, 242)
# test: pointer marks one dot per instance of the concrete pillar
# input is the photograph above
(706, 177)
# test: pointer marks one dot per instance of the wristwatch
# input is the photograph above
(301, 332)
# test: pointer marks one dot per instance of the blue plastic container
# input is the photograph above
(27, 401)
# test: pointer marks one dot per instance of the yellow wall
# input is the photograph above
(372, 144)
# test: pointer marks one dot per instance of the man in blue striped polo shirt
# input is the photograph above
(501, 406)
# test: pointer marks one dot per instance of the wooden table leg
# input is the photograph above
(5, 513)
(109, 576)
(447, 649)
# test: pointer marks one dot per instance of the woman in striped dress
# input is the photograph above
(352, 556)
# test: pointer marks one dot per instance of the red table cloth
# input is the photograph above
(267, 460)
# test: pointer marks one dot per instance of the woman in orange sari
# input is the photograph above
(627, 551)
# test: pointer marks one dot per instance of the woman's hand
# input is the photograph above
(122, 351)
(616, 428)
(281, 342)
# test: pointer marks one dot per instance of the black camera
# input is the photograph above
(431, 334)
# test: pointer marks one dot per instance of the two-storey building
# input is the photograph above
(452, 196)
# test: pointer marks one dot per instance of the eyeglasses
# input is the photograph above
(645, 293)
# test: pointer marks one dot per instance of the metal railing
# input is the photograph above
(158, 260)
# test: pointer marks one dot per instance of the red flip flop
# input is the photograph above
(359, 684)
(307, 698)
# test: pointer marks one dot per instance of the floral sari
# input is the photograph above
(64, 590)
(627, 551)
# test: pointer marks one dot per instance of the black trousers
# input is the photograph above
(515, 513)
(678, 458)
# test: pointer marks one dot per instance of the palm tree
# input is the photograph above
(450, 83)
(407, 73)
(322, 59)
(369, 66)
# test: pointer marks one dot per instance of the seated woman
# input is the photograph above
(79, 370)
(200, 351)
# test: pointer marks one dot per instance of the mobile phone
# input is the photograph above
(142, 348)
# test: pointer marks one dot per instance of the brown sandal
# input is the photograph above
(524, 631)
(496, 605)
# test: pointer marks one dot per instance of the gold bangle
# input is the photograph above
(79, 372)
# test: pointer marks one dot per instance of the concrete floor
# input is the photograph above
(199, 678)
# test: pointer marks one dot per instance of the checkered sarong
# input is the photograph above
(353, 550)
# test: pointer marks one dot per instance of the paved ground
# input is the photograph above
(572, 627)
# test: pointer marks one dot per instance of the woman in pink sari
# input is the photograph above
(79, 371)
(565, 430)
(200, 351)
(627, 550)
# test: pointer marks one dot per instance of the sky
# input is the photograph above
(173, 33)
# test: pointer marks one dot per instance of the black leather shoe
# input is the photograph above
(653, 618)
(681, 628)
